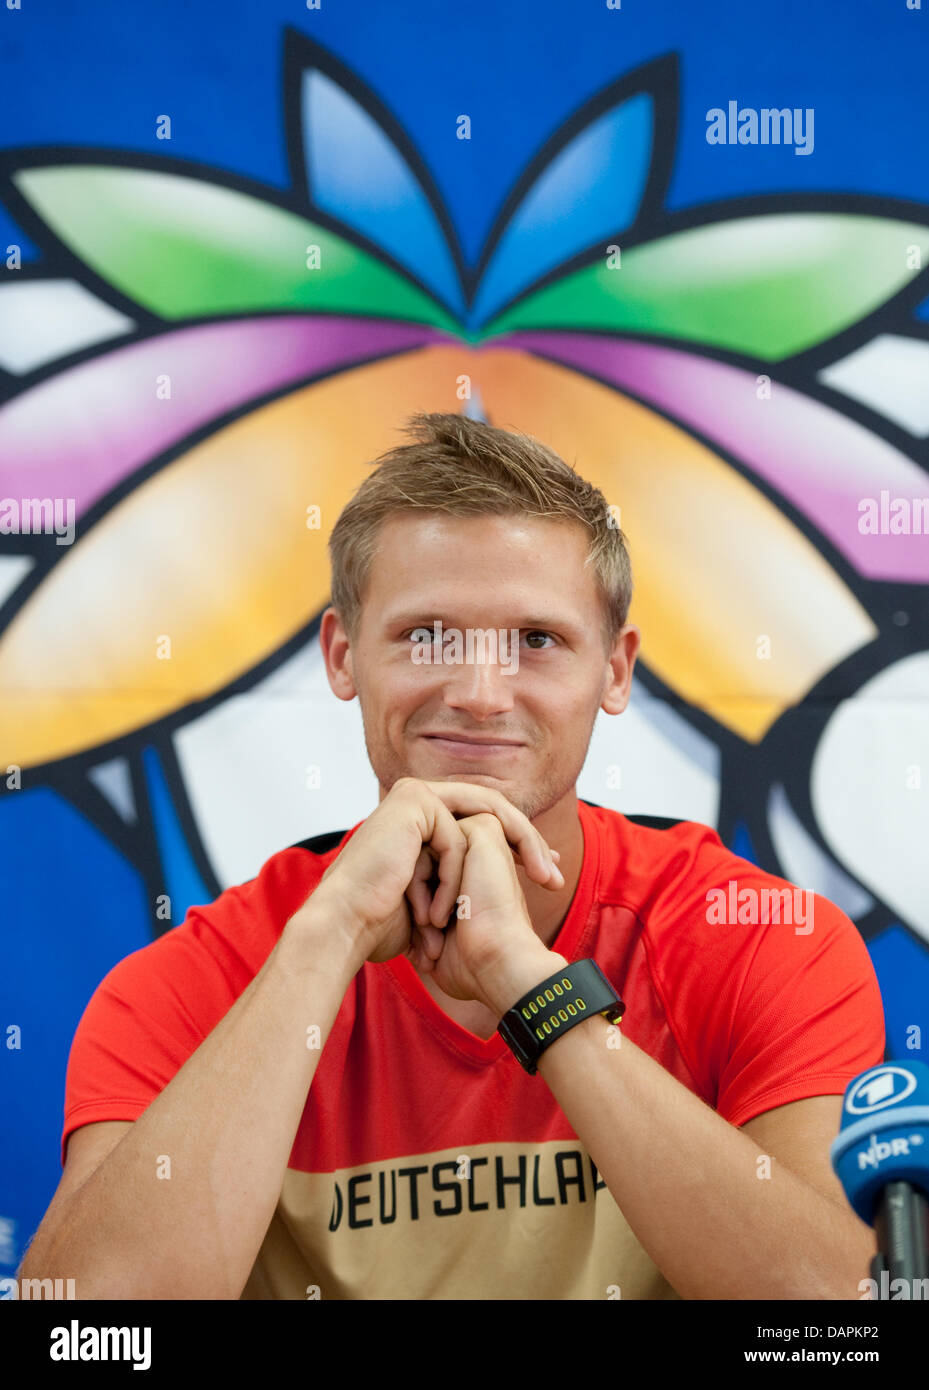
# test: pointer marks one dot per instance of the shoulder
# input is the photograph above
(696, 899)
(767, 988)
(646, 859)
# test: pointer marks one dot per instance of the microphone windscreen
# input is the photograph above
(885, 1133)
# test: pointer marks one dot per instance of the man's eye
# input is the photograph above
(420, 634)
(536, 633)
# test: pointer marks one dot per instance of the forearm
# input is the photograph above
(688, 1182)
(226, 1125)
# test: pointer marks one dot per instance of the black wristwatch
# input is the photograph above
(557, 1004)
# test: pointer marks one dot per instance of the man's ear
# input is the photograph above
(337, 654)
(617, 685)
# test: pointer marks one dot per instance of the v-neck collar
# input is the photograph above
(453, 1034)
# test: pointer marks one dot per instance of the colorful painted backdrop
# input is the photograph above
(240, 244)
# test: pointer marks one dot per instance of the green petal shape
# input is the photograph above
(184, 246)
(769, 286)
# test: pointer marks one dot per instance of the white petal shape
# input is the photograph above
(245, 766)
(13, 569)
(805, 864)
(665, 767)
(869, 785)
(42, 320)
(114, 781)
(891, 375)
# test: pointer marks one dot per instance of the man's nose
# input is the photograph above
(481, 687)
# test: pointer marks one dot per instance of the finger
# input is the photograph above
(433, 942)
(521, 834)
(418, 892)
(451, 845)
(425, 948)
(443, 840)
(413, 950)
(484, 832)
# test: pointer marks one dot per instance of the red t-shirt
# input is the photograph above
(427, 1163)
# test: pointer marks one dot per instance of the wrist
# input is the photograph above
(516, 975)
(322, 936)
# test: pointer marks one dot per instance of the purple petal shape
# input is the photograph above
(80, 432)
(820, 460)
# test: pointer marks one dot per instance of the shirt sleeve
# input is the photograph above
(156, 1006)
(807, 1017)
(145, 1018)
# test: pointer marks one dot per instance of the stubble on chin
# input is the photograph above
(531, 801)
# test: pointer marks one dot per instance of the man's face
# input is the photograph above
(519, 721)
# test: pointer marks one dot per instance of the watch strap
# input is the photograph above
(556, 1005)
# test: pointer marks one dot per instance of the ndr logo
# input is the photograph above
(879, 1149)
(878, 1089)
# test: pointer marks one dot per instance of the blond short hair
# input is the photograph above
(464, 467)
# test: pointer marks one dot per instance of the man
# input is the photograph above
(302, 1091)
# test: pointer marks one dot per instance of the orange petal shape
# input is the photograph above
(717, 567)
(212, 552)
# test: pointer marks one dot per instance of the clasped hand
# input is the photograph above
(431, 874)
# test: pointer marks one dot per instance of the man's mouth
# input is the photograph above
(466, 747)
